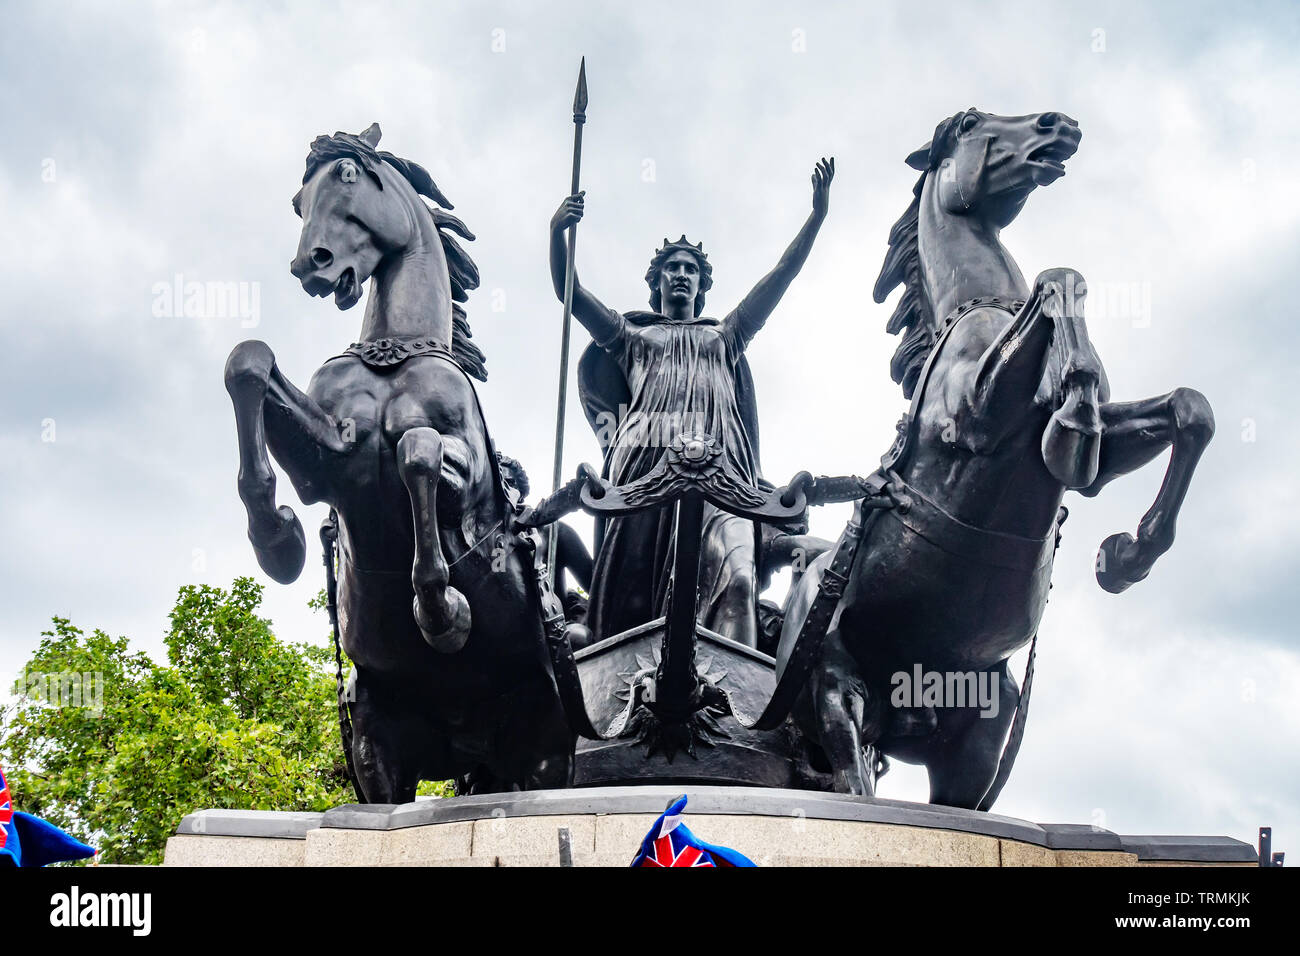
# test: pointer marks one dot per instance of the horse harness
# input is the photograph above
(885, 491)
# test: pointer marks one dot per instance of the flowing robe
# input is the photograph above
(648, 380)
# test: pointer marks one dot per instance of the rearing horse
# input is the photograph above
(438, 605)
(1010, 408)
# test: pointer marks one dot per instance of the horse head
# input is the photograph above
(988, 165)
(976, 173)
(358, 207)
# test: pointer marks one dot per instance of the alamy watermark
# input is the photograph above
(213, 299)
(1105, 301)
(79, 908)
(922, 688)
(646, 429)
(80, 689)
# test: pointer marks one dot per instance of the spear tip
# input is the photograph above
(580, 96)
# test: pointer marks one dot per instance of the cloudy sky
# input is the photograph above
(148, 142)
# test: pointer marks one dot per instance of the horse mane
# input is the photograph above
(913, 315)
(902, 265)
(462, 272)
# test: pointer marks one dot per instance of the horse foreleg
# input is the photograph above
(301, 436)
(1071, 443)
(276, 533)
(1135, 432)
(842, 709)
(441, 611)
(1011, 368)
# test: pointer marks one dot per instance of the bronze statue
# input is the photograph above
(438, 603)
(649, 377)
(468, 664)
(955, 539)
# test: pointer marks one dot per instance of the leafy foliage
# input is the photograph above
(236, 719)
(436, 788)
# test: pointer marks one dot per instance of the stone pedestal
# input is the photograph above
(606, 824)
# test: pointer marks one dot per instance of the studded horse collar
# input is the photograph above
(1010, 305)
(391, 352)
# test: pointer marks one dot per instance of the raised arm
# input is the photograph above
(762, 300)
(602, 322)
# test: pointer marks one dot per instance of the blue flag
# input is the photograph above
(670, 842)
(26, 840)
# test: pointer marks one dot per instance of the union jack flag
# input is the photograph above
(6, 808)
(670, 842)
(26, 840)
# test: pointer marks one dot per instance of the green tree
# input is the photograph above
(236, 719)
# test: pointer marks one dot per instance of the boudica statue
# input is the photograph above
(437, 599)
(465, 665)
(1009, 408)
(648, 377)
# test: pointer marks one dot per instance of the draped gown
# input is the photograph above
(681, 376)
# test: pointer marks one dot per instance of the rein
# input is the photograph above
(329, 533)
(486, 536)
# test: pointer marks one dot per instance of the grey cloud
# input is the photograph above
(179, 134)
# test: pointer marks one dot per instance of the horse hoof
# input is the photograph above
(1113, 568)
(451, 639)
(283, 553)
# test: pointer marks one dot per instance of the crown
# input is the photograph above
(682, 243)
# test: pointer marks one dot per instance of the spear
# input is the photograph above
(579, 118)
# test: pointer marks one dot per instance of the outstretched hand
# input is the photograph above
(821, 181)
